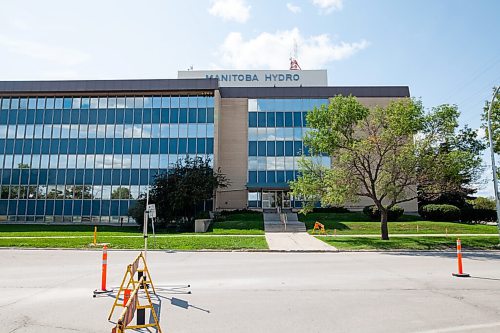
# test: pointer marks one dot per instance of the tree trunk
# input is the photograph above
(383, 223)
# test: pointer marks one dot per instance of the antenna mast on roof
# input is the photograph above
(294, 64)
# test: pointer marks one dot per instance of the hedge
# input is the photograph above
(470, 214)
(373, 213)
(331, 210)
(445, 213)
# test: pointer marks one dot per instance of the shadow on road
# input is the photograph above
(472, 255)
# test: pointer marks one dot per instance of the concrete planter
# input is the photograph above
(201, 225)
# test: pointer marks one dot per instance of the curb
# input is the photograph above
(243, 250)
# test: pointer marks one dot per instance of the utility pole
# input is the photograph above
(493, 165)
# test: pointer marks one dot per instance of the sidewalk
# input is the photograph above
(412, 235)
(296, 241)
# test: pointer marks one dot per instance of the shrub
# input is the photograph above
(238, 211)
(471, 214)
(331, 210)
(203, 215)
(373, 213)
(482, 203)
(445, 213)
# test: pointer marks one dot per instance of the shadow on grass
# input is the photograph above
(413, 246)
(28, 228)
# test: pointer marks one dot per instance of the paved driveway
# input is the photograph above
(50, 291)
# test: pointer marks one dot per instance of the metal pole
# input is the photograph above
(145, 229)
(493, 166)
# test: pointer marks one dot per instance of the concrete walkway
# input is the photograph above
(295, 241)
(413, 235)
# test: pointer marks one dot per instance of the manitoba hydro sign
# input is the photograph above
(261, 78)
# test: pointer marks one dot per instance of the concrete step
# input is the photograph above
(273, 223)
(283, 229)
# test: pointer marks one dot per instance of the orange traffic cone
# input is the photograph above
(459, 259)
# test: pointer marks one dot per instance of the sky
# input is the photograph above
(446, 51)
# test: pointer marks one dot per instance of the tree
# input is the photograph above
(458, 149)
(179, 192)
(121, 193)
(376, 154)
(495, 121)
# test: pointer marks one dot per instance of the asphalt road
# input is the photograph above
(51, 291)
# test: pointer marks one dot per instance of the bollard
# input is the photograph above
(95, 235)
(335, 232)
(417, 228)
(459, 260)
(104, 266)
(104, 271)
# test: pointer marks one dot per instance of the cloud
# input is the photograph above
(59, 55)
(293, 8)
(273, 50)
(328, 5)
(230, 10)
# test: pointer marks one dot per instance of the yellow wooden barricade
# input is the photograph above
(320, 227)
(129, 280)
(132, 305)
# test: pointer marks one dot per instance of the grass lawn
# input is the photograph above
(220, 236)
(359, 224)
(412, 243)
(166, 242)
(239, 224)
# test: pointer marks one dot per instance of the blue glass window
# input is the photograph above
(252, 119)
(210, 115)
(252, 148)
(201, 149)
(183, 116)
(174, 116)
(261, 177)
(288, 148)
(129, 116)
(297, 148)
(146, 116)
(280, 176)
(68, 103)
(252, 176)
(156, 116)
(271, 177)
(261, 119)
(182, 146)
(297, 119)
(261, 148)
(280, 119)
(191, 146)
(271, 119)
(210, 145)
(280, 148)
(202, 115)
(192, 115)
(271, 151)
(288, 119)
(165, 115)
(172, 146)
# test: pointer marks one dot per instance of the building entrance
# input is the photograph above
(276, 199)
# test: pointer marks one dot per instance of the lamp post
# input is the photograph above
(493, 166)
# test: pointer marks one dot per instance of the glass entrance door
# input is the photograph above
(269, 199)
(274, 199)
